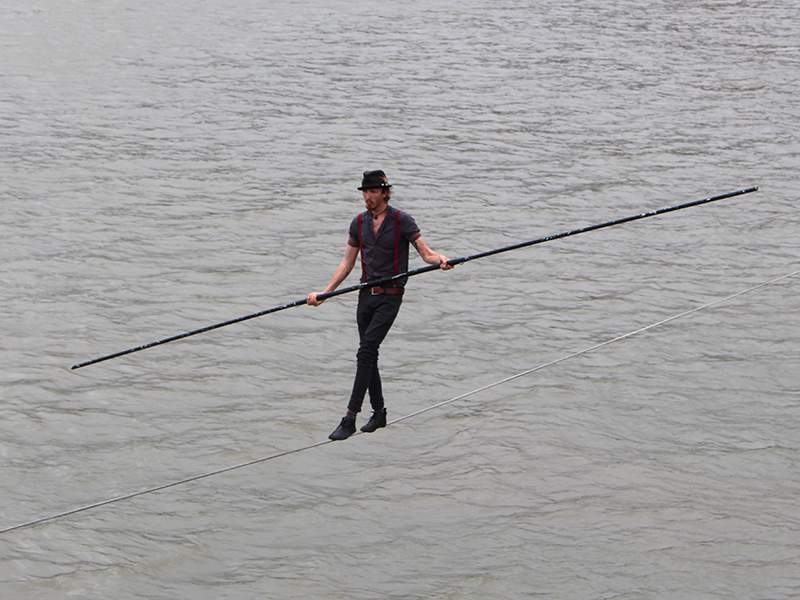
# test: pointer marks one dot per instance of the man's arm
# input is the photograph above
(341, 273)
(429, 256)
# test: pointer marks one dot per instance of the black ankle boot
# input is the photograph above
(345, 429)
(378, 419)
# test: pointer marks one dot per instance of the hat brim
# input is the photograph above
(380, 186)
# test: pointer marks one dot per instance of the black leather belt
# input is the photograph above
(377, 291)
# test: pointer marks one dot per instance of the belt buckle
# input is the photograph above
(375, 291)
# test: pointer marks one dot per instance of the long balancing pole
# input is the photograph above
(386, 280)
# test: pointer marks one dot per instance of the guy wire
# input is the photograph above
(398, 420)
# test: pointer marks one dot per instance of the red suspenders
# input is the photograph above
(396, 245)
(361, 246)
(397, 242)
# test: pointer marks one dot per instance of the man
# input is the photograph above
(381, 235)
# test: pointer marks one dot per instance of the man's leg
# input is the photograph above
(376, 390)
(375, 318)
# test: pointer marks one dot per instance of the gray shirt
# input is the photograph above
(378, 252)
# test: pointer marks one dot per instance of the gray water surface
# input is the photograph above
(170, 165)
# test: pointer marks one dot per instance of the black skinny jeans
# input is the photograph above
(375, 316)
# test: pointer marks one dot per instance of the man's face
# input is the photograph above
(374, 198)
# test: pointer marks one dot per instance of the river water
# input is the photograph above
(169, 165)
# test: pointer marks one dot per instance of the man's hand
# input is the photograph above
(312, 299)
(443, 260)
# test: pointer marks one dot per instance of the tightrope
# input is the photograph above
(400, 419)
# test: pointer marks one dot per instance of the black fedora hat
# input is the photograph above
(374, 179)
